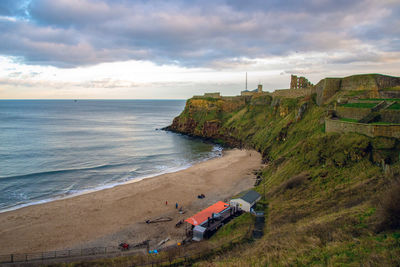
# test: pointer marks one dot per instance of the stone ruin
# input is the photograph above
(299, 82)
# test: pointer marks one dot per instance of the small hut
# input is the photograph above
(247, 201)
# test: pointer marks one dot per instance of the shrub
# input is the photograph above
(293, 182)
(390, 209)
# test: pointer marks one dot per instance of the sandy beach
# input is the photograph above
(111, 216)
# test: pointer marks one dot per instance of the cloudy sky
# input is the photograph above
(129, 49)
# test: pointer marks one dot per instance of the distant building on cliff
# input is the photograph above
(216, 95)
(252, 92)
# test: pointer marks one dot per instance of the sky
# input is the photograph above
(173, 49)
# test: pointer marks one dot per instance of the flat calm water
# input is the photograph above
(51, 149)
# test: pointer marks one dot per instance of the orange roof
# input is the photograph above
(202, 216)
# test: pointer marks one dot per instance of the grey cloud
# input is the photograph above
(360, 57)
(68, 33)
(377, 32)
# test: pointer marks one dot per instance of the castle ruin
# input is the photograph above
(299, 82)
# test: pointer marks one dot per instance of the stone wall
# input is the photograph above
(359, 82)
(213, 95)
(327, 88)
(390, 115)
(372, 84)
(389, 94)
(231, 98)
(247, 93)
(293, 93)
(384, 81)
(352, 113)
(387, 130)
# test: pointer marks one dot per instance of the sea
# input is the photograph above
(52, 149)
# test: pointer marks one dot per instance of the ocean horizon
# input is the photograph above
(52, 149)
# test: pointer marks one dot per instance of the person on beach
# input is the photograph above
(166, 203)
(176, 205)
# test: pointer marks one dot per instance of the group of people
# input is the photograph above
(201, 196)
(176, 204)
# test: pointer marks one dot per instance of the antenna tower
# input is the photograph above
(246, 80)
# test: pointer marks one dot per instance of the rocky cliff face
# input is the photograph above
(204, 117)
(269, 125)
(242, 121)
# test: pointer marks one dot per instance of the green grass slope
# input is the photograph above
(325, 191)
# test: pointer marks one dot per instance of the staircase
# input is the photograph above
(374, 116)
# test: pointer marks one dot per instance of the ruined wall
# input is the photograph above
(371, 83)
(352, 113)
(390, 115)
(231, 98)
(299, 82)
(387, 130)
(326, 88)
(213, 95)
(365, 82)
(371, 130)
(384, 81)
(389, 94)
(359, 82)
(293, 93)
(293, 82)
(248, 93)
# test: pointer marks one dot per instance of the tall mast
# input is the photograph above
(246, 80)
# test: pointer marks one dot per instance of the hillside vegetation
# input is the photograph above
(332, 199)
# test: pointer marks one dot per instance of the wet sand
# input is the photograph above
(111, 216)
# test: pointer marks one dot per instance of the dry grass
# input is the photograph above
(291, 183)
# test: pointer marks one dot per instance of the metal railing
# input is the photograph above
(166, 255)
(70, 253)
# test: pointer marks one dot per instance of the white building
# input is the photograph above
(247, 201)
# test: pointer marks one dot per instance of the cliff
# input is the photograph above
(269, 125)
(324, 190)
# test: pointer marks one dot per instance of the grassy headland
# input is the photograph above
(325, 191)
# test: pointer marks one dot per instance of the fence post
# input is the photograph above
(12, 257)
(105, 250)
(69, 253)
